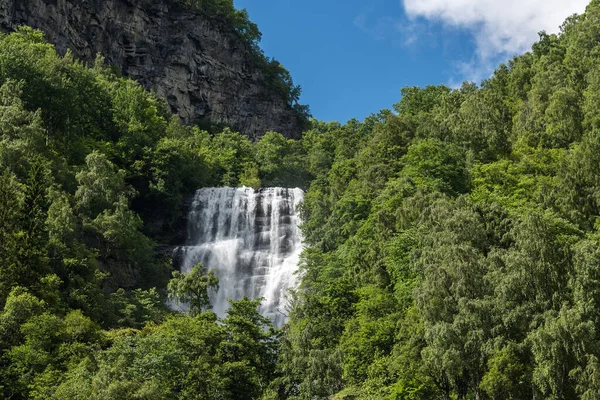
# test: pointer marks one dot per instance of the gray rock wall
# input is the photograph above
(198, 65)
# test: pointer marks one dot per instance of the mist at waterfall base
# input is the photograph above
(251, 238)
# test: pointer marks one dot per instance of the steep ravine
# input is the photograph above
(197, 64)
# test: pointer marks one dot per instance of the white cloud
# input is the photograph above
(500, 28)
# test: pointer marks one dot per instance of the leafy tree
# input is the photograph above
(193, 288)
(101, 185)
(507, 375)
(11, 207)
(249, 350)
(137, 308)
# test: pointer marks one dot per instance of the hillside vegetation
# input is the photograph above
(453, 249)
(93, 171)
(454, 245)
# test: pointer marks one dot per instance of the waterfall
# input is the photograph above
(252, 241)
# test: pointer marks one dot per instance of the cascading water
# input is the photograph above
(252, 241)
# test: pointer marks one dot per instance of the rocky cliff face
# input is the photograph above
(198, 65)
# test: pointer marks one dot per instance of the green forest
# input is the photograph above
(452, 242)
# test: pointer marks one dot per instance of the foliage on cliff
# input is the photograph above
(278, 78)
(225, 10)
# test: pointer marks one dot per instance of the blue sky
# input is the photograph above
(352, 57)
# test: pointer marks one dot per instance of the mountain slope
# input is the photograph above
(195, 60)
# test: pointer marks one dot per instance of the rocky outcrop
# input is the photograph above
(202, 69)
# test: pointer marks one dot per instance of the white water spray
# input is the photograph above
(252, 241)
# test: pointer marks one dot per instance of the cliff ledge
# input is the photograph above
(202, 69)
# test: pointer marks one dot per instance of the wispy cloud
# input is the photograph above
(398, 30)
(500, 28)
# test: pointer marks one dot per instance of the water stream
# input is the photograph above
(252, 241)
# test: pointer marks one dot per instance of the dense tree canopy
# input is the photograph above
(93, 172)
(449, 241)
(452, 244)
